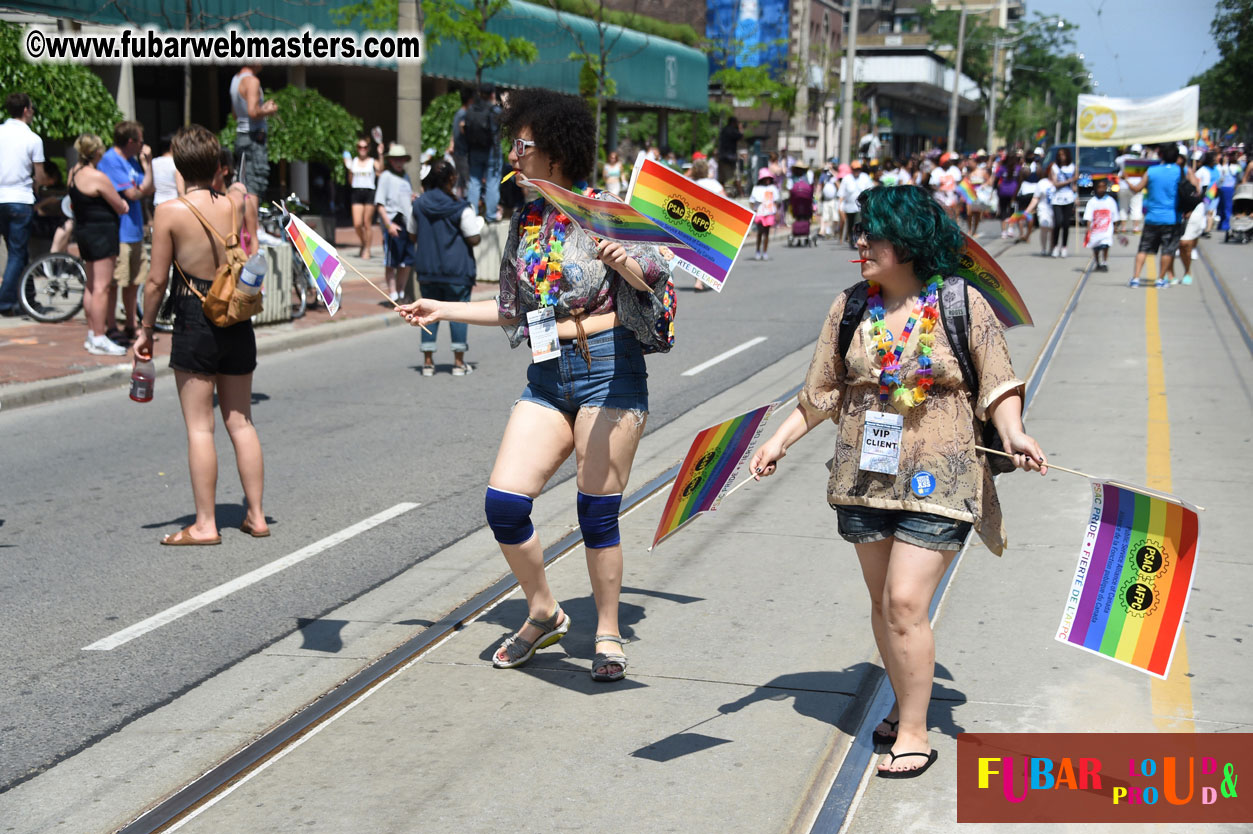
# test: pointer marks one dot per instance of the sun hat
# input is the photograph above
(397, 151)
(764, 174)
(844, 170)
(698, 155)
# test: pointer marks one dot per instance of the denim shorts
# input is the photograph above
(861, 525)
(616, 377)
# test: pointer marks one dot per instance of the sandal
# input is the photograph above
(604, 660)
(880, 739)
(184, 538)
(519, 651)
(250, 530)
(908, 774)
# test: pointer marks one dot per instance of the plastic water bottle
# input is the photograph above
(253, 273)
(143, 380)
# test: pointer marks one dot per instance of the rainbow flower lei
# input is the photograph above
(542, 263)
(925, 314)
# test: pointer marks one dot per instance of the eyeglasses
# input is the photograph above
(859, 231)
(520, 146)
(363, 147)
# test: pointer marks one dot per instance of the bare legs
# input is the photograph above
(195, 395)
(537, 441)
(362, 220)
(96, 294)
(901, 579)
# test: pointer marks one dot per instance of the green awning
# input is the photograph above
(648, 70)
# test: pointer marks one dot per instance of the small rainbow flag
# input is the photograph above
(1041, 133)
(1231, 131)
(608, 218)
(320, 258)
(1136, 167)
(1211, 193)
(713, 227)
(967, 192)
(1133, 579)
(710, 468)
(983, 273)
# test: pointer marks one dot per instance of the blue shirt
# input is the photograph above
(125, 173)
(1160, 195)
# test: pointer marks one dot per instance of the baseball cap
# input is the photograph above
(1040, 151)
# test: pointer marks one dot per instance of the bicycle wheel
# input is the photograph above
(52, 287)
(162, 323)
(299, 290)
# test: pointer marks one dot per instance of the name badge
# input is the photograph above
(542, 326)
(881, 442)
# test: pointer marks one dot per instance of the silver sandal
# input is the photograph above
(605, 659)
(519, 651)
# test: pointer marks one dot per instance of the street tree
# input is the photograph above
(308, 127)
(1045, 78)
(1226, 94)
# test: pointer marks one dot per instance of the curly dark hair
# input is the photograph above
(442, 172)
(561, 126)
(907, 217)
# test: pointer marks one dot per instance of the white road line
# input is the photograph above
(721, 356)
(169, 615)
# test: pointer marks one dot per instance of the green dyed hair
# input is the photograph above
(917, 227)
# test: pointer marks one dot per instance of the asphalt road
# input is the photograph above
(349, 429)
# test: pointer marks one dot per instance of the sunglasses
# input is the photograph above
(859, 231)
(520, 146)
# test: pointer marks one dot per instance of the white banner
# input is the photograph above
(1122, 121)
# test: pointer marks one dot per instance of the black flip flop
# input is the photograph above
(908, 774)
(881, 739)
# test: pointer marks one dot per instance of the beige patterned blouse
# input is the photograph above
(939, 435)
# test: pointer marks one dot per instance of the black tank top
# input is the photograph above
(91, 210)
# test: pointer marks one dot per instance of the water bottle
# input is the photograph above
(143, 379)
(253, 273)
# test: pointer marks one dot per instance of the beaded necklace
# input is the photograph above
(542, 262)
(925, 314)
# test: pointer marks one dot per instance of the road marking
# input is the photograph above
(169, 615)
(721, 356)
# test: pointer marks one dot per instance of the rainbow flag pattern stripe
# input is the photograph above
(983, 273)
(967, 192)
(610, 219)
(713, 227)
(1134, 576)
(320, 258)
(710, 468)
(1136, 167)
(1041, 133)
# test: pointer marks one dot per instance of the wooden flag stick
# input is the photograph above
(394, 303)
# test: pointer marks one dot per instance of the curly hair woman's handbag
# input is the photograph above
(225, 303)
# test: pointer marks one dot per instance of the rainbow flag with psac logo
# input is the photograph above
(1131, 587)
(713, 227)
(982, 272)
(710, 468)
(610, 218)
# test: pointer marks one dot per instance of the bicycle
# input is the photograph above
(270, 219)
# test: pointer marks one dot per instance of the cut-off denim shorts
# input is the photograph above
(861, 525)
(616, 378)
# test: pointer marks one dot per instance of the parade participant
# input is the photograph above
(129, 165)
(97, 211)
(1163, 223)
(1101, 215)
(584, 308)
(763, 201)
(394, 198)
(1006, 179)
(612, 174)
(1063, 175)
(191, 233)
(364, 171)
(908, 506)
(699, 173)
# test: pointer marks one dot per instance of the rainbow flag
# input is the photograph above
(1133, 579)
(1136, 167)
(1041, 133)
(1211, 193)
(983, 273)
(967, 192)
(611, 219)
(713, 227)
(320, 258)
(1231, 132)
(710, 468)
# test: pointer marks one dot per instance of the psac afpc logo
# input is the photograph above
(1103, 777)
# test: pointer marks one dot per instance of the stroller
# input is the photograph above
(1240, 228)
(801, 203)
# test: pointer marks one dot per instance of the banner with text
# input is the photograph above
(1122, 121)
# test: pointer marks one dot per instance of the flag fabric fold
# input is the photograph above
(983, 273)
(609, 219)
(326, 270)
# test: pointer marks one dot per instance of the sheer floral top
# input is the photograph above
(939, 435)
(588, 287)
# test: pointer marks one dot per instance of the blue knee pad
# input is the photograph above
(598, 519)
(509, 516)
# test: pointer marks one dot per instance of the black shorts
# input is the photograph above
(1160, 235)
(97, 241)
(363, 196)
(1022, 201)
(199, 347)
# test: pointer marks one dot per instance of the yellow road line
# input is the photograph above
(1171, 698)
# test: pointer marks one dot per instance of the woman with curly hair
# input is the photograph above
(907, 483)
(585, 309)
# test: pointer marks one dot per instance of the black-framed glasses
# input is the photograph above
(859, 231)
(520, 146)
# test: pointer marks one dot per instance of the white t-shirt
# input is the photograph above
(1101, 213)
(850, 189)
(764, 199)
(1065, 195)
(712, 184)
(944, 181)
(20, 149)
(471, 223)
(163, 180)
(363, 172)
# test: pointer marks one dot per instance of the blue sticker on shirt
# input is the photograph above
(922, 484)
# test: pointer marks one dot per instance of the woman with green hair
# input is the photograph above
(907, 483)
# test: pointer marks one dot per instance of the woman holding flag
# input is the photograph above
(577, 302)
(907, 483)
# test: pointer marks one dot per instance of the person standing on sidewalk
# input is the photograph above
(584, 308)
(447, 232)
(252, 159)
(129, 165)
(1064, 175)
(192, 233)
(21, 169)
(482, 132)
(97, 207)
(907, 507)
(393, 198)
(1163, 224)
(363, 171)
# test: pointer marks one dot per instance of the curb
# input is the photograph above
(100, 379)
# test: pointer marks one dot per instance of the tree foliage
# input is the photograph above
(308, 127)
(681, 32)
(437, 121)
(465, 24)
(1045, 81)
(944, 26)
(69, 99)
(1226, 94)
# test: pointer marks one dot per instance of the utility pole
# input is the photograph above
(957, 76)
(846, 109)
(996, 56)
(409, 93)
